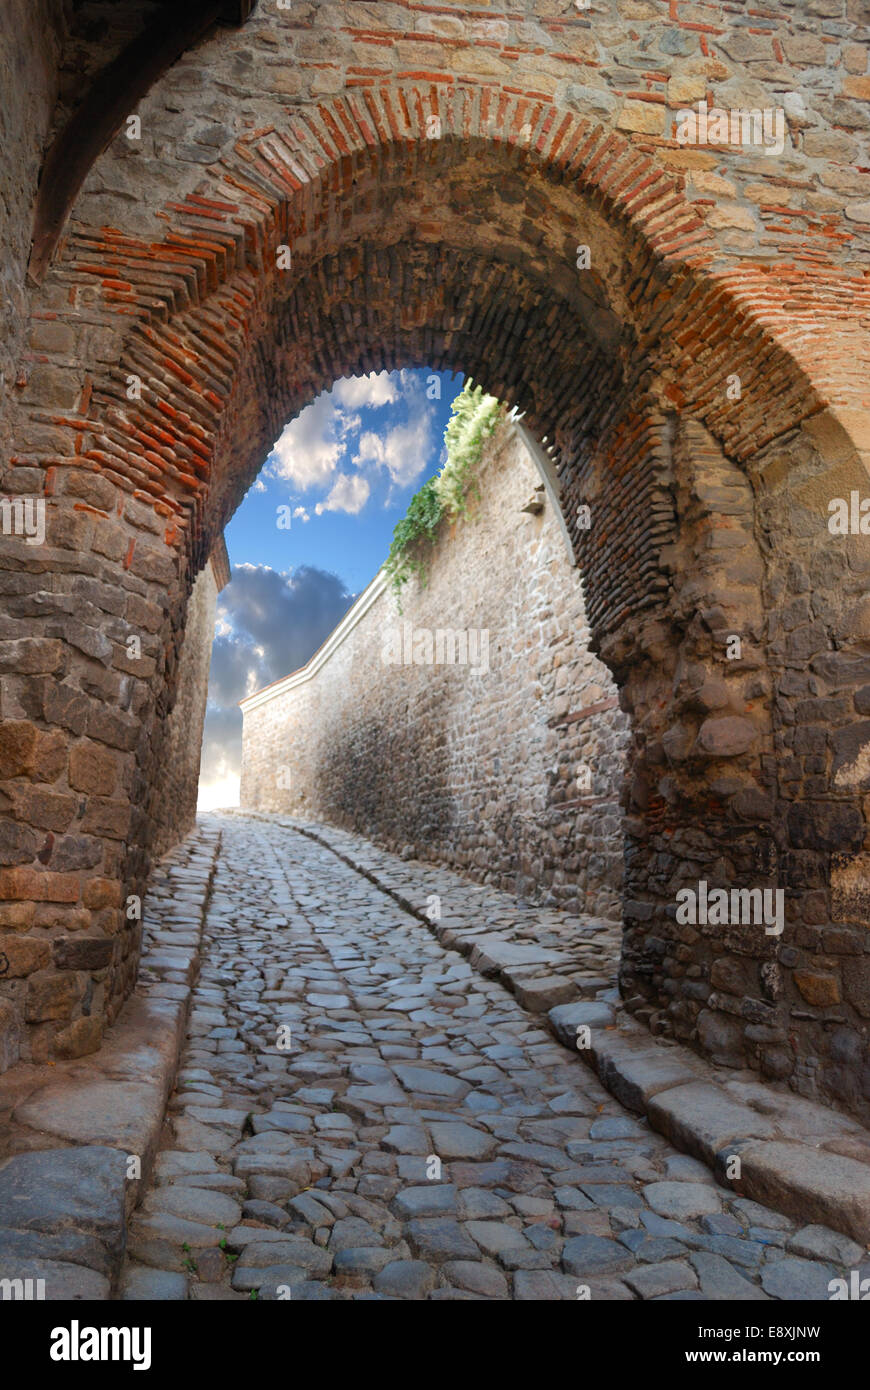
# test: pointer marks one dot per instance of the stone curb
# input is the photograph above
(802, 1159)
(65, 1192)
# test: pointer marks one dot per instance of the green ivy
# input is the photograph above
(418, 526)
(473, 419)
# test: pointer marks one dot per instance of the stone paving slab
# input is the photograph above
(69, 1130)
(817, 1161)
(530, 943)
(361, 1115)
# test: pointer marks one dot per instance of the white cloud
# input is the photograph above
(378, 388)
(259, 485)
(347, 424)
(314, 448)
(308, 451)
(302, 514)
(350, 492)
(404, 451)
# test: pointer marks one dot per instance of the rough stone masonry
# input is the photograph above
(501, 190)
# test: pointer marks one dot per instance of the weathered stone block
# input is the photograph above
(565, 1019)
(46, 809)
(641, 116)
(82, 1037)
(42, 887)
(852, 754)
(18, 916)
(112, 727)
(71, 852)
(726, 737)
(850, 888)
(826, 825)
(61, 1189)
(17, 748)
(818, 987)
(52, 336)
(703, 1119)
(107, 817)
(10, 1036)
(540, 993)
(92, 768)
(856, 983)
(82, 952)
(52, 996)
(811, 1185)
(89, 487)
(21, 955)
(720, 1035)
(18, 843)
(32, 655)
(101, 892)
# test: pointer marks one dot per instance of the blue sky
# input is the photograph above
(347, 467)
(311, 533)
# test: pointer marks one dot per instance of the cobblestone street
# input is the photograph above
(337, 1055)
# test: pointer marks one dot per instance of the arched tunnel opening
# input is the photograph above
(589, 786)
(446, 704)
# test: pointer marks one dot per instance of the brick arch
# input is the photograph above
(205, 301)
(407, 249)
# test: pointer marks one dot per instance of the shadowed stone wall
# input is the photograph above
(60, 967)
(175, 802)
(510, 770)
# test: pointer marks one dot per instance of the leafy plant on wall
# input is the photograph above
(445, 496)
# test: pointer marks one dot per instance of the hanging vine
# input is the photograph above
(445, 496)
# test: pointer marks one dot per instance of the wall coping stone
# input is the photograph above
(339, 635)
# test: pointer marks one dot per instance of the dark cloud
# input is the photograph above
(269, 624)
(286, 616)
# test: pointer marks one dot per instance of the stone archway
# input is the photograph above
(438, 219)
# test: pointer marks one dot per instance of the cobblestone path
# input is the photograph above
(337, 1054)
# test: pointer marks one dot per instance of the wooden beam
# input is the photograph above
(115, 93)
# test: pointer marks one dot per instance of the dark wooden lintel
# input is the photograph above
(586, 713)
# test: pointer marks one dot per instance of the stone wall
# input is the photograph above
(63, 969)
(478, 769)
(174, 808)
(29, 58)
